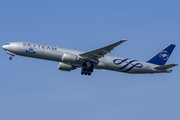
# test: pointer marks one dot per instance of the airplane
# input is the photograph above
(97, 59)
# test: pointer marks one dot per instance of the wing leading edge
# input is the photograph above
(98, 53)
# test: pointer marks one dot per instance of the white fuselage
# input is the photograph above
(55, 54)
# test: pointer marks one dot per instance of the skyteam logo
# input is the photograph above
(164, 55)
(31, 51)
(32, 45)
(127, 64)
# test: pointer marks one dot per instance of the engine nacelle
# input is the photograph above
(69, 58)
(65, 67)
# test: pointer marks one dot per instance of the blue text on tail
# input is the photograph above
(162, 57)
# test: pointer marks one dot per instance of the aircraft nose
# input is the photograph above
(4, 47)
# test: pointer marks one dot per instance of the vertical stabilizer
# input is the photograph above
(162, 57)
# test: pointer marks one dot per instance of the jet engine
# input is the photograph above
(69, 58)
(65, 67)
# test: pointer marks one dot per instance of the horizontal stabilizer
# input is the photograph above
(164, 67)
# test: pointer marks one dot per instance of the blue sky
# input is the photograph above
(34, 89)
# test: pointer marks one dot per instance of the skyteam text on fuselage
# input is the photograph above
(88, 61)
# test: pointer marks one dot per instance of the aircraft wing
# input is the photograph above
(98, 53)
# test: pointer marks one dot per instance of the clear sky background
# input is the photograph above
(33, 89)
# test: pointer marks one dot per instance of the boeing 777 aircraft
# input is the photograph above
(97, 59)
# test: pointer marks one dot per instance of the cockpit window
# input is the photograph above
(8, 44)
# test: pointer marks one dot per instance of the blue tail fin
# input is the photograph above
(162, 57)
